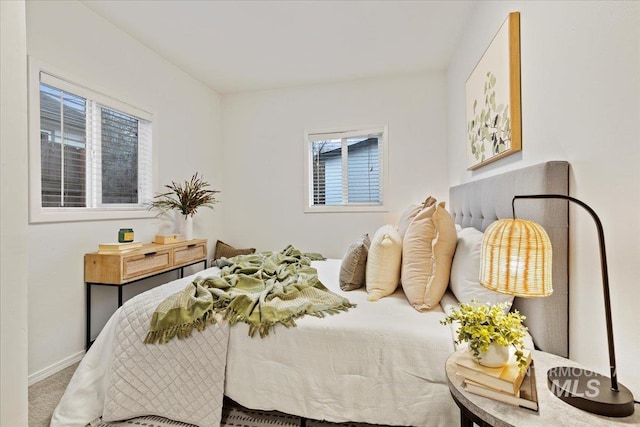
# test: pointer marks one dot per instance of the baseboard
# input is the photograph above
(55, 368)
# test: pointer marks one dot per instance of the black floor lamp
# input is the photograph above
(517, 260)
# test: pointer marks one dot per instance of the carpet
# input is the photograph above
(233, 415)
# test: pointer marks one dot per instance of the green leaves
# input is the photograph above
(490, 124)
(186, 198)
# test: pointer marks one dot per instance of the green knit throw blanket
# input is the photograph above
(261, 289)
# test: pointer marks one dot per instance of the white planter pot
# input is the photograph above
(185, 226)
(495, 357)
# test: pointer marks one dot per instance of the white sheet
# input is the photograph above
(382, 363)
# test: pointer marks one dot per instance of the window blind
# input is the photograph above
(346, 168)
(92, 154)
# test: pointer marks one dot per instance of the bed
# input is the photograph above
(380, 363)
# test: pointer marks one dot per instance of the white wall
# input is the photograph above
(187, 138)
(13, 215)
(263, 135)
(581, 103)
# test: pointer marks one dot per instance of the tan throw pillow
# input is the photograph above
(228, 251)
(383, 263)
(410, 213)
(444, 248)
(427, 251)
(354, 264)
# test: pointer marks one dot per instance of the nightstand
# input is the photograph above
(553, 411)
(121, 269)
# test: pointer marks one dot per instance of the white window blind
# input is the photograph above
(95, 152)
(346, 169)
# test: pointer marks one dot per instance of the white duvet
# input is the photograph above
(381, 362)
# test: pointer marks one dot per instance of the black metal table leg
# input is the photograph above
(87, 342)
(88, 285)
(465, 421)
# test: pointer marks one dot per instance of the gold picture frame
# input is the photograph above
(492, 92)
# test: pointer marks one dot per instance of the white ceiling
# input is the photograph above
(234, 46)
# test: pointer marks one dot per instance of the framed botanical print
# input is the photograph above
(492, 94)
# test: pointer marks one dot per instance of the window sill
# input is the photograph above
(345, 209)
(86, 214)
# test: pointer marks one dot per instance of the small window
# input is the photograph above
(344, 170)
(90, 153)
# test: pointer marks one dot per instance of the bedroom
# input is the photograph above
(574, 83)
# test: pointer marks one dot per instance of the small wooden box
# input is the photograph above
(164, 239)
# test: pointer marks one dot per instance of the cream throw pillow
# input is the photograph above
(465, 271)
(427, 253)
(383, 263)
(354, 264)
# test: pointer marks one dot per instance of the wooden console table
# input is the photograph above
(121, 269)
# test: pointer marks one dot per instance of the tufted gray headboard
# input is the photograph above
(479, 203)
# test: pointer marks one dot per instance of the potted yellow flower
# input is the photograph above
(489, 330)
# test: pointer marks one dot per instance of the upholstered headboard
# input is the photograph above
(479, 203)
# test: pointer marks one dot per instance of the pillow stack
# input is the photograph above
(427, 253)
(420, 252)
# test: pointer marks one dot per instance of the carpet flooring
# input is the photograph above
(45, 395)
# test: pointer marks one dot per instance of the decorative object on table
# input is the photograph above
(118, 247)
(519, 262)
(125, 235)
(185, 198)
(493, 98)
(490, 330)
(164, 239)
(506, 378)
(525, 397)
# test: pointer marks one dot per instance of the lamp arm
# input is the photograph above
(605, 274)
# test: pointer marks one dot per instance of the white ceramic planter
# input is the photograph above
(185, 226)
(495, 357)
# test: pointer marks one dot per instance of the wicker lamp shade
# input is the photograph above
(516, 258)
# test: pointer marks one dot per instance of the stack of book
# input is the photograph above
(507, 384)
(117, 248)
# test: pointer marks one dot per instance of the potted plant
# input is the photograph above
(186, 198)
(490, 330)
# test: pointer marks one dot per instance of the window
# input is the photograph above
(344, 170)
(90, 154)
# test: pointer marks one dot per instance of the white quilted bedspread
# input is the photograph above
(121, 378)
